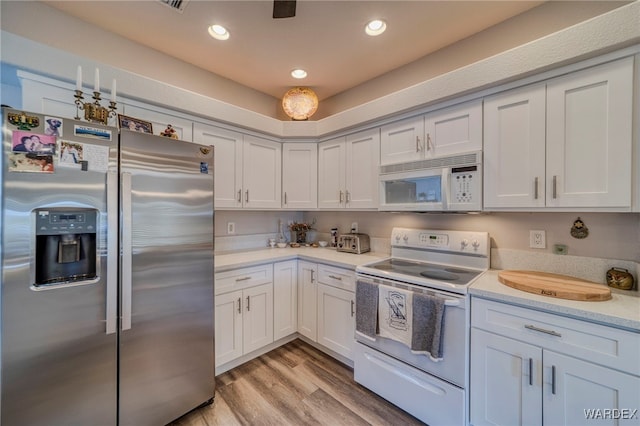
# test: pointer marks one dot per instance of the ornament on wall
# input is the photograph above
(579, 229)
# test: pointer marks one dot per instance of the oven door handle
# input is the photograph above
(451, 302)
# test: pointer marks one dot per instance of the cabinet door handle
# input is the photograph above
(341, 194)
(542, 330)
(248, 304)
(555, 185)
(417, 143)
(285, 198)
(312, 278)
(535, 188)
(347, 196)
(428, 142)
(530, 371)
(553, 379)
(240, 305)
(352, 310)
(246, 196)
(243, 279)
(239, 195)
(335, 278)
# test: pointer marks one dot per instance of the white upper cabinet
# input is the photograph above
(50, 99)
(589, 116)
(247, 168)
(565, 143)
(228, 163)
(448, 131)
(262, 173)
(300, 176)
(401, 141)
(453, 130)
(514, 148)
(348, 171)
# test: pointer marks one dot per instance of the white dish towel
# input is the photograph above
(395, 314)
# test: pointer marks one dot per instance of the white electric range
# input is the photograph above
(442, 264)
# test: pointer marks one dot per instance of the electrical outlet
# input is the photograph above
(354, 227)
(231, 227)
(537, 239)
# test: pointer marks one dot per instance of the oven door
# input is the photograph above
(421, 190)
(452, 367)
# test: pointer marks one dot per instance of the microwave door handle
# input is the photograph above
(444, 190)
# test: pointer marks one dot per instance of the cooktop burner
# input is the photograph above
(440, 259)
(425, 270)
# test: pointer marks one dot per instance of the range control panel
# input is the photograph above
(449, 241)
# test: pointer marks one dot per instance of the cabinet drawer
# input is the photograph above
(608, 346)
(243, 278)
(337, 277)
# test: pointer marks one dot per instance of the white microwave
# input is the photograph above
(452, 184)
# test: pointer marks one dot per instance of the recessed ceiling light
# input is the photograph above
(218, 32)
(298, 73)
(375, 27)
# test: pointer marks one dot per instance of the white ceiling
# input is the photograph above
(325, 37)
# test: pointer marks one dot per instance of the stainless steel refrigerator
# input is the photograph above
(107, 274)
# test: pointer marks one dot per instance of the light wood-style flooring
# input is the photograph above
(294, 384)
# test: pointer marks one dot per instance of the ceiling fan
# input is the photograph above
(284, 9)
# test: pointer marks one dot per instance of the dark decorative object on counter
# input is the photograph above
(579, 229)
(619, 278)
(300, 229)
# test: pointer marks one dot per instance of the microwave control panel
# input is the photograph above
(466, 185)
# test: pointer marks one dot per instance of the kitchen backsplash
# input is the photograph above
(613, 241)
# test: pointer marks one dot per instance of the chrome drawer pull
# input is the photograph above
(542, 330)
(352, 305)
(535, 184)
(553, 379)
(312, 278)
(239, 195)
(248, 304)
(243, 279)
(240, 305)
(335, 278)
(530, 371)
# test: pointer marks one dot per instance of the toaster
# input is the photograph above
(354, 243)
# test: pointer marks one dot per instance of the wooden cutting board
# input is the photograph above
(555, 285)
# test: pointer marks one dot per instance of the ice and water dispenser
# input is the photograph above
(66, 241)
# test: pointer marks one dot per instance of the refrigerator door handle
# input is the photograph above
(126, 251)
(112, 253)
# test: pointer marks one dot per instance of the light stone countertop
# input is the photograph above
(329, 256)
(622, 311)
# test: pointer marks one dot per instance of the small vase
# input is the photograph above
(301, 237)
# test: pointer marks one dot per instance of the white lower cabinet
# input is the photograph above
(307, 289)
(326, 306)
(535, 368)
(285, 298)
(243, 312)
(336, 319)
